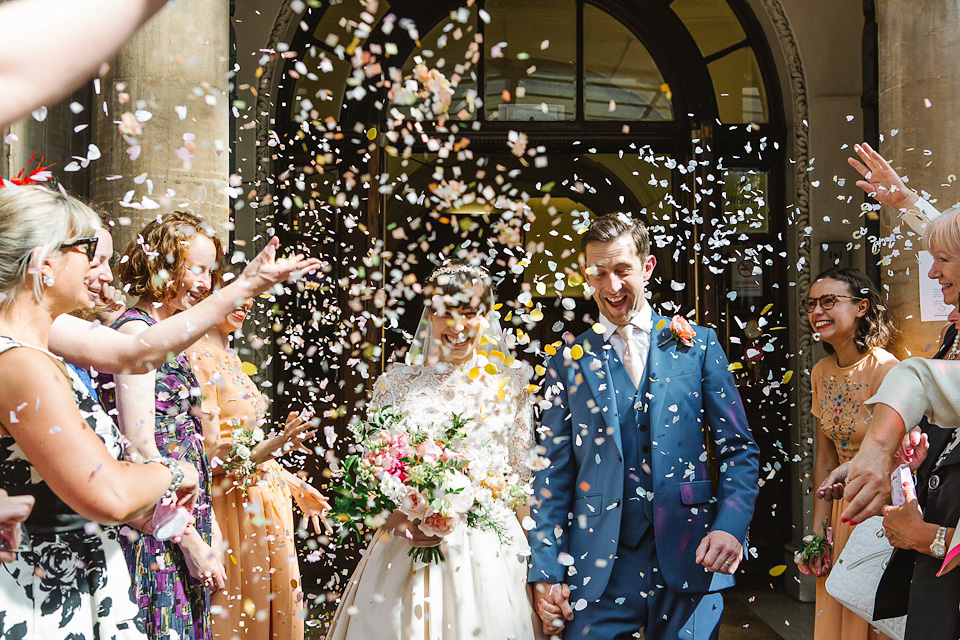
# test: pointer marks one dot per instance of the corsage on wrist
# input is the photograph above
(814, 546)
(175, 469)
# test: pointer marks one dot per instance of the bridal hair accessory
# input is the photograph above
(29, 176)
(680, 330)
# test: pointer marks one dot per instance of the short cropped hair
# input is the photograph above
(944, 232)
(155, 261)
(612, 226)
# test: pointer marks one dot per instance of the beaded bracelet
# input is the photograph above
(175, 469)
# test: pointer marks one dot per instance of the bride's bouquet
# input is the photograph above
(436, 474)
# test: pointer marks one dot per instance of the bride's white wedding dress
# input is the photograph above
(479, 591)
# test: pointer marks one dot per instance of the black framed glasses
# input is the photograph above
(826, 302)
(89, 246)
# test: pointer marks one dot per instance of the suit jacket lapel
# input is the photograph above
(596, 372)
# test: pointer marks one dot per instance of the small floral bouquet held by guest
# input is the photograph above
(814, 547)
(239, 462)
(434, 474)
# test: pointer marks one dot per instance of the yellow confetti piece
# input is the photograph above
(372, 133)
(233, 559)
(766, 308)
(532, 388)
(598, 328)
(734, 366)
(249, 607)
(787, 376)
(550, 349)
(540, 370)
(661, 324)
(536, 315)
(474, 373)
(490, 368)
(576, 352)
(778, 570)
(249, 368)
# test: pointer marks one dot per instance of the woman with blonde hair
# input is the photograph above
(69, 578)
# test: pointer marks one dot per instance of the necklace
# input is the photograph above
(954, 349)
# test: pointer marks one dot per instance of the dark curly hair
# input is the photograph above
(874, 329)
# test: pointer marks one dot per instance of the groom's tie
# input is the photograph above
(631, 359)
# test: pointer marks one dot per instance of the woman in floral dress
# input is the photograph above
(844, 308)
(172, 581)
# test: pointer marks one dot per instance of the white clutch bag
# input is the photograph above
(853, 580)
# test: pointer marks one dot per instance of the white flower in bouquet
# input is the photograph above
(456, 490)
(258, 435)
(392, 487)
(242, 451)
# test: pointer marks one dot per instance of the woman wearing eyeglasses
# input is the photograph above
(845, 311)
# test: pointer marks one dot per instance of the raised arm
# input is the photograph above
(136, 404)
(880, 181)
(40, 412)
(49, 47)
(90, 345)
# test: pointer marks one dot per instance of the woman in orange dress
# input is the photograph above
(252, 494)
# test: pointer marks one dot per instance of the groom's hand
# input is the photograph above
(552, 604)
(720, 552)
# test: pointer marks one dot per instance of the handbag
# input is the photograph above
(854, 578)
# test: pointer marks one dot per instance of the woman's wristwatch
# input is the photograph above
(175, 469)
(939, 545)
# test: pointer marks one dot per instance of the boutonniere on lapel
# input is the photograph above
(680, 330)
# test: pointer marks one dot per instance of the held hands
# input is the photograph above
(402, 526)
(834, 484)
(551, 601)
(880, 181)
(720, 552)
(189, 489)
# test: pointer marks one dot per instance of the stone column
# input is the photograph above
(173, 76)
(919, 104)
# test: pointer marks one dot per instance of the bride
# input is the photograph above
(479, 591)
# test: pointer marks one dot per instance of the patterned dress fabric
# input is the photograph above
(263, 597)
(173, 605)
(71, 579)
(479, 590)
(839, 394)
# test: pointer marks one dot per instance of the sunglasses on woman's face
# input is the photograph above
(88, 245)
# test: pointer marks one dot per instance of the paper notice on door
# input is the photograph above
(933, 308)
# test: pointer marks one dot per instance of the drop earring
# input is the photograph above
(48, 280)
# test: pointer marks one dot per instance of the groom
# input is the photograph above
(642, 514)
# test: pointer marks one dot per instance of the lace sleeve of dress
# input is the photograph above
(385, 391)
(523, 440)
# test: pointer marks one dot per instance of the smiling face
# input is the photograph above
(838, 325)
(195, 281)
(68, 268)
(234, 321)
(100, 272)
(458, 331)
(946, 271)
(618, 277)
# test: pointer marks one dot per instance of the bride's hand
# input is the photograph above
(409, 529)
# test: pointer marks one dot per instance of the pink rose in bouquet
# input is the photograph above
(437, 524)
(415, 505)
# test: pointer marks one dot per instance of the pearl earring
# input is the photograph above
(48, 280)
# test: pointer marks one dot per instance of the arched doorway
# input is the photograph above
(665, 109)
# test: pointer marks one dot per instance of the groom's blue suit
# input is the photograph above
(688, 397)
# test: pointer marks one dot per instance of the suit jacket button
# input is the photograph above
(646, 449)
(643, 427)
(934, 482)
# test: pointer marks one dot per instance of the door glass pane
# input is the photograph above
(622, 81)
(741, 96)
(530, 54)
(712, 23)
(446, 48)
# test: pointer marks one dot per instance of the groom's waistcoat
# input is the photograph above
(632, 405)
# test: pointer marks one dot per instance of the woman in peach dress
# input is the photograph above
(263, 598)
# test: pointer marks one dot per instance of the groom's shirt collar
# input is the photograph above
(642, 320)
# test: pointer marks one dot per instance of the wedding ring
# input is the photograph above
(727, 562)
